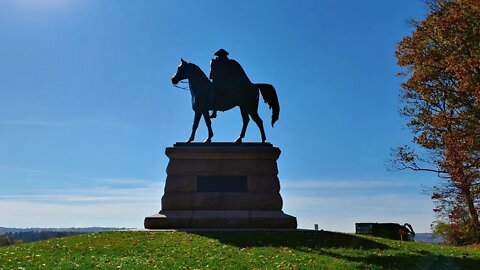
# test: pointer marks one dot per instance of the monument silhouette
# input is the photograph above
(223, 185)
(230, 88)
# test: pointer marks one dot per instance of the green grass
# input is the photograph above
(233, 250)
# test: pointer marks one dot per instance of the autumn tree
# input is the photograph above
(441, 100)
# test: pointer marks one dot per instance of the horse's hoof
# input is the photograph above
(189, 140)
(209, 140)
(239, 140)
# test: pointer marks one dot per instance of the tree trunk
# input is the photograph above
(474, 221)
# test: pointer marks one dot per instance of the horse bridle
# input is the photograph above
(181, 87)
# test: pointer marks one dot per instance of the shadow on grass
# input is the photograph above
(370, 253)
(302, 240)
(418, 260)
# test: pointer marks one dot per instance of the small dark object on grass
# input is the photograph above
(393, 231)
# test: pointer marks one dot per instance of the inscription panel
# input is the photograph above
(222, 184)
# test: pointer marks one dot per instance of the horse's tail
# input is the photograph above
(270, 97)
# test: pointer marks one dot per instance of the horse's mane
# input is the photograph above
(199, 71)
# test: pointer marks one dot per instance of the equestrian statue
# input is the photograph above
(229, 87)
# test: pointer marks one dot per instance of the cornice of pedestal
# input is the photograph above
(223, 151)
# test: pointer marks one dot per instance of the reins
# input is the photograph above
(181, 87)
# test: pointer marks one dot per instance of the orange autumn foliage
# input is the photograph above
(441, 100)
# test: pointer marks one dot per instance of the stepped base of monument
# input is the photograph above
(220, 219)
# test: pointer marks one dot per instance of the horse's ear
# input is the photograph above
(183, 61)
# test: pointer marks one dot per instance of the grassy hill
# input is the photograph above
(233, 250)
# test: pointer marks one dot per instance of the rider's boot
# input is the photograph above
(214, 114)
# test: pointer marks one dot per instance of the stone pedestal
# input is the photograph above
(221, 185)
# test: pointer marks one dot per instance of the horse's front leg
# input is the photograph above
(206, 117)
(196, 120)
(245, 120)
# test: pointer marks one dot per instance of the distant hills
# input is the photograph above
(429, 238)
(10, 236)
(4, 230)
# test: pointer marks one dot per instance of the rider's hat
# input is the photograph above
(221, 53)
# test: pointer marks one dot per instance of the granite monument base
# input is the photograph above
(220, 219)
(221, 185)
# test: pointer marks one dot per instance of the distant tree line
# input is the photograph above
(7, 241)
(20, 237)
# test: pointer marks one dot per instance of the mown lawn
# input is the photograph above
(233, 250)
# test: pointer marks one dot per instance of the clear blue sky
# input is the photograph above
(87, 106)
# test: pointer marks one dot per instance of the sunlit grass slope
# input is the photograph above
(233, 250)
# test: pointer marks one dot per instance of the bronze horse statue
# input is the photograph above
(247, 99)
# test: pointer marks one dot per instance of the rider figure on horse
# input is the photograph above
(228, 77)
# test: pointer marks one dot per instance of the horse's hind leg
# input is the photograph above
(206, 117)
(245, 120)
(196, 120)
(256, 118)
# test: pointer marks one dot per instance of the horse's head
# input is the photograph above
(181, 73)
